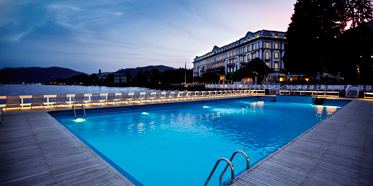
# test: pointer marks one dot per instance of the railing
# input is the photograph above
(233, 155)
(229, 163)
(216, 165)
(50, 99)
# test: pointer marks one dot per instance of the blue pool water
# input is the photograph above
(178, 144)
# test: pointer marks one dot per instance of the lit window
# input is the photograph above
(267, 63)
(253, 37)
(248, 57)
(267, 55)
(276, 45)
(248, 39)
(276, 55)
(248, 48)
(285, 37)
(276, 36)
(245, 40)
(276, 65)
(267, 44)
(252, 56)
(253, 46)
(257, 36)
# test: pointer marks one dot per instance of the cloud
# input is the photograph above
(21, 35)
(63, 7)
(118, 13)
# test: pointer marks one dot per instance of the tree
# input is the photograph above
(258, 67)
(311, 33)
(242, 73)
(210, 77)
(359, 11)
(109, 81)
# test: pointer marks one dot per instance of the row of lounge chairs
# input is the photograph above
(38, 100)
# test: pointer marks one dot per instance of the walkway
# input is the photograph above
(36, 150)
(338, 151)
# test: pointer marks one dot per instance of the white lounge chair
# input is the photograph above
(12, 101)
(60, 99)
(79, 99)
(37, 100)
(95, 99)
(111, 98)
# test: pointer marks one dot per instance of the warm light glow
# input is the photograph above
(282, 79)
(307, 79)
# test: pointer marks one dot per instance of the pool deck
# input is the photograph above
(337, 151)
(36, 150)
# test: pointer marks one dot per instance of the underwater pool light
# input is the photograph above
(206, 107)
(145, 113)
(79, 120)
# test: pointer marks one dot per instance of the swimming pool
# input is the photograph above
(178, 144)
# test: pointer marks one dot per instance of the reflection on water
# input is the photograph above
(65, 89)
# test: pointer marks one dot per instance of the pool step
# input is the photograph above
(83, 109)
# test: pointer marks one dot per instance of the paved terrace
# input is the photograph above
(337, 151)
(36, 150)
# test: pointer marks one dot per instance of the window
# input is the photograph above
(276, 55)
(276, 36)
(257, 36)
(276, 45)
(267, 63)
(248, 57)
(253, 46)
(276, 65)
(267, 44)
(267, 55)
(285, 37)
(252, 56)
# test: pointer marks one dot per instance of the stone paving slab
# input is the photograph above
(337, 151)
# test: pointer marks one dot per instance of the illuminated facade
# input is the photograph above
(264, 44)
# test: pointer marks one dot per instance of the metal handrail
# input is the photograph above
(233, 155)
(216, 164)
(74, 111)
(85, 116)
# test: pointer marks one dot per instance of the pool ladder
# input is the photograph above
(229, 163)
(83, 109)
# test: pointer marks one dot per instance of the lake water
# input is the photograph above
(65, 89)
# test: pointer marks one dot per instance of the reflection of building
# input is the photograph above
(264, 44)
(120, 78)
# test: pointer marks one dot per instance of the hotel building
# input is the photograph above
(264, 44)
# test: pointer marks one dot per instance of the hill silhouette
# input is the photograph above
(35, 74)
(133, 71)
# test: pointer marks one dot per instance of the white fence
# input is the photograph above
(143, 97)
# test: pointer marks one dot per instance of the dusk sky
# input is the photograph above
(114, 34)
